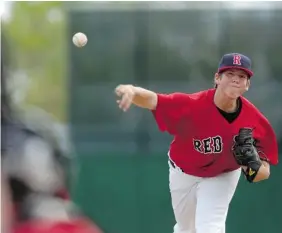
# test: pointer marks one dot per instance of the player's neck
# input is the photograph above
(225, 103)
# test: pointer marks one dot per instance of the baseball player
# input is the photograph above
(217, 134)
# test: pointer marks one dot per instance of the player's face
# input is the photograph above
(233, 82)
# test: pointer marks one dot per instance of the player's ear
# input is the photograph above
(248, 84)
(216, 78)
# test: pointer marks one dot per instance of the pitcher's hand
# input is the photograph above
(126, 94)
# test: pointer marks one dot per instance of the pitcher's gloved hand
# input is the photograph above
(246, 154)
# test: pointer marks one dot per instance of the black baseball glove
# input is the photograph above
(246, 154)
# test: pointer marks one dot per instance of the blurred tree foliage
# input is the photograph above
(36, 35)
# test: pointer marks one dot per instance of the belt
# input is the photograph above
(174, 165)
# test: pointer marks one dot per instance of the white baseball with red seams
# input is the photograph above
(79, 39)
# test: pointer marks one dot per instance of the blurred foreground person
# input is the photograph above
(6, 206)
(35, 165)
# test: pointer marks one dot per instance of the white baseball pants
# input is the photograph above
(200, 205)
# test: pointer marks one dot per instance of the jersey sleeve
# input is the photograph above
(267, 144)
(170, 111)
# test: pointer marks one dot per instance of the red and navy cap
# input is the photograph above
(235, 61)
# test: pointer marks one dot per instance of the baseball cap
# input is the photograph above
(235, 61)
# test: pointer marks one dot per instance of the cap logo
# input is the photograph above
(237, 60)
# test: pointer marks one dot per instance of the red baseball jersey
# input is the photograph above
(203, 138)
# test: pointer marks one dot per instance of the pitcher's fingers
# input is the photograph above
(127, 104)
(123, 101)
(118, 92)
(121, 88)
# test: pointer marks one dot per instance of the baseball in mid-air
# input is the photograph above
(79, 39)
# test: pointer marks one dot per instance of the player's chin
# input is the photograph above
(233, 93)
